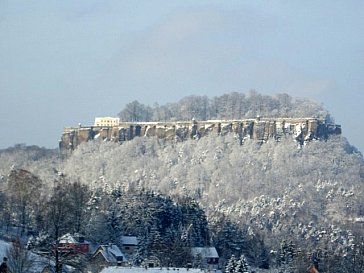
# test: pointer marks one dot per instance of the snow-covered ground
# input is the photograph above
(118, 269)
(38, 262)
(3, 249)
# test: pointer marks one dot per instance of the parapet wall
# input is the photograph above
(260, 129)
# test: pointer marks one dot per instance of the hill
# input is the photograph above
(253, 199)
(278, 191)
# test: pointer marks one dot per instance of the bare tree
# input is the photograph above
(23, 190)
(19, 258)
(136, 111)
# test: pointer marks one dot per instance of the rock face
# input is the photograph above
(260, 129)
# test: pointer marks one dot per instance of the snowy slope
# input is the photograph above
(39, 262)
(3, 248)
(117, 269)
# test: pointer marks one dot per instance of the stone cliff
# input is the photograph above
(261, 129)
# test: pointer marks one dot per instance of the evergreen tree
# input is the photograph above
(285, 256)
(114, 221)
(245, 264)
(231, 264)
(241, 265)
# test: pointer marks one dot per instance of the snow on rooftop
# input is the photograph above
(72, 239)
(206, 252)
(67, 239)
(129, 240)
(111, 252)
(118, 269)
(115, 250)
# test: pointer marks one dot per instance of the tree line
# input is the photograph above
(164, 226)
(229, 106)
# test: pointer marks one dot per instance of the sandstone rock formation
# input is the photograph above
(261, 129)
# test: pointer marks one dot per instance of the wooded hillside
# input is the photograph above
(279, 204)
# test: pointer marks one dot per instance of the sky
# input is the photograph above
(65, 62)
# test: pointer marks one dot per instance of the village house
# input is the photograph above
(73, 243)
(108, 255)
(151, 262)
(207, 257)
(128, 244)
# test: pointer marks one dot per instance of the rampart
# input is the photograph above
(261, 129)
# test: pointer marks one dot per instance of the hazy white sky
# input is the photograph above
(65, 62)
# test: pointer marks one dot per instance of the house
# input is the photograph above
(151, 262)
(73, 243)
(108, 255)
(128, 244)
(206, 256)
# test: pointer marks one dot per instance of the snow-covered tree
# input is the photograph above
(237, 265)
(231, 264)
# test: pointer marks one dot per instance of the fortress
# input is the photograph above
(261, 129)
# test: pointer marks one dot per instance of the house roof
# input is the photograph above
(109, 252)
(129, 240)
(67, 239)
(205, 252)
(70, 239)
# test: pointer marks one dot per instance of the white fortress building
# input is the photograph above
(107, 121)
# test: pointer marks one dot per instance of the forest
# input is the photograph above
(279, 205)
(230, 106)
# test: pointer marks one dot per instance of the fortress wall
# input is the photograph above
(115, 134)
(83, 134)
(272, 129)
(301, 130)
(104, 133)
